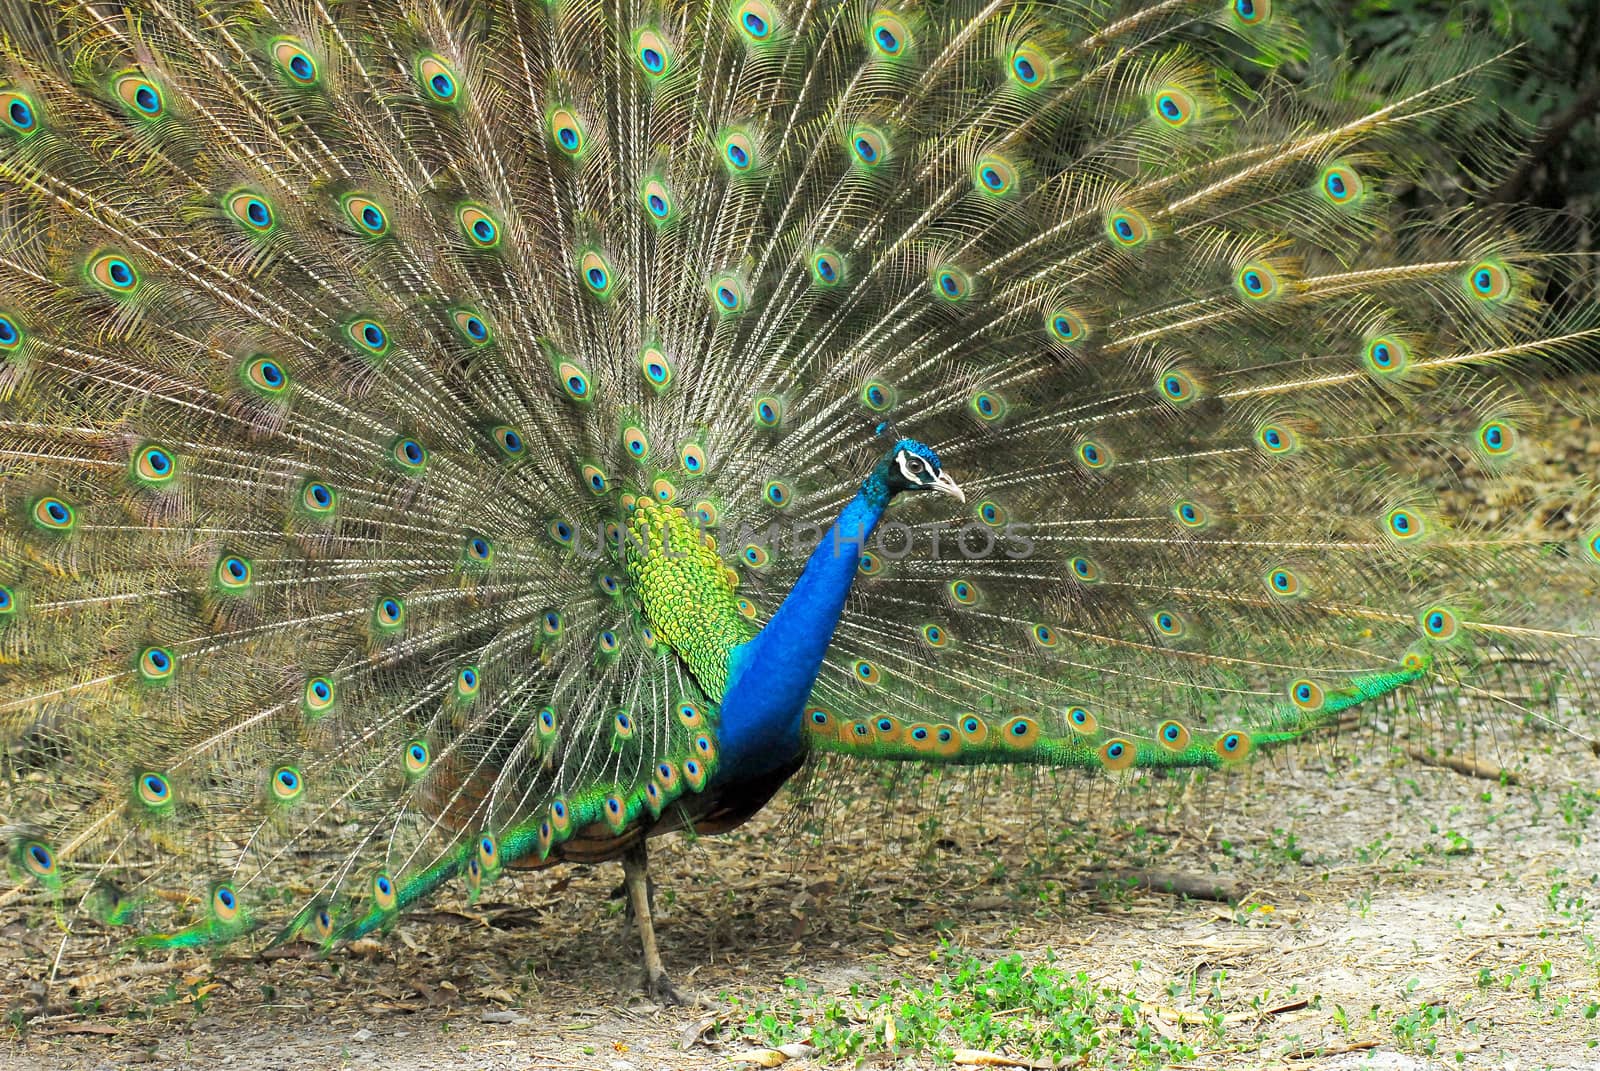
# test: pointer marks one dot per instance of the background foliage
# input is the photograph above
(1550, 89)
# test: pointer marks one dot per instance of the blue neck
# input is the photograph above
(770, 676)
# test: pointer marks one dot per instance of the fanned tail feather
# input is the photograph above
(340, 342)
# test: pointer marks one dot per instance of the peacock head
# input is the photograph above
(913, 466)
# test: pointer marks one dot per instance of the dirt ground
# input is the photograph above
(1387, 912)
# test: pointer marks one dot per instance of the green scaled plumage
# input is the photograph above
(412, 414)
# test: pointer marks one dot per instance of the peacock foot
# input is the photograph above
(661, 990)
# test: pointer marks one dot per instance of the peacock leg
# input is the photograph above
(636, 878)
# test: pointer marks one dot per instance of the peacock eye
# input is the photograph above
(915, 465)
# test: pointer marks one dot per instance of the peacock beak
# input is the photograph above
(944, 483)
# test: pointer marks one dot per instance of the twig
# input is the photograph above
(1468, 767)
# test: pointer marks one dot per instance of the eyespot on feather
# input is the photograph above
(1282, 582)
(37, 860)
(738, 151)
(950, 284)
(53, 514)
(416, 758)
(887, 729)
(1496, 439)
(1084, 569)
(1277, 440)
(987, 406)
(153, 790)
(1386, 355)
(1020, 733)
(1251, 13)
(383, 892)
(1066, 326)
(153, 465)
(265, 376)
(727, 294)
(438, 81)
(1258, 281)
(768, 411)
(568, 132)
(653, 52)
(410, 456)
(662, 489)
(318, 696)
(869, 147)
(919, 737)
(756, 21)
(1177, 387)
(1307, 695)
(658, 201)
(1117, 755)
(370, 337)
(1127, 228)
(1341, 185)
(827, 267)
(656, 368)
(12, 334)
(141, 96)
(1169, 624)
(233, 575)
(1028, 67)
(1489, 281)
(113, 273)
(1174, 735)
(994, 175)
(225, 904)
(472, 327)
(1191, 514)
(1439, 623)
(294, 62)
(389, 613)
(1173, 106)
(574, 381)
(508, 441)
(694, 774)
(1232, 746)
(251, 210)
(480, 228)
(1404, 525)
(889, 35)
(286, 784)
(1093, 456)
(365, 214)
(18, 113)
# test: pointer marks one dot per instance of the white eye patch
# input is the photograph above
(913, 468)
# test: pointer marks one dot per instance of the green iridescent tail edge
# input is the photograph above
(1286, 725)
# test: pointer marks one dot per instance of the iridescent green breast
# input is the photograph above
(685, 591)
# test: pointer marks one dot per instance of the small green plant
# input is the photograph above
(1035, 1010)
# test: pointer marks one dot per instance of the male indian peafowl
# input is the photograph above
(443, 436)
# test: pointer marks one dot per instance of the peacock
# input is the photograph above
(447, 436)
